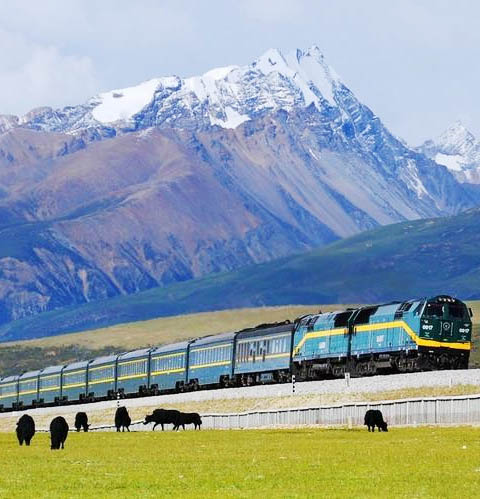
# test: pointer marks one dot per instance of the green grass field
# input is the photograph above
(418, 462)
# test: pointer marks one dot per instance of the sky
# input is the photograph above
(414, 62)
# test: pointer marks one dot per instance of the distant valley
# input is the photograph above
(396, 262)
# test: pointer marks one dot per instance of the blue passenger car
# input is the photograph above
(210, 360)
(50, 385)
(74, 381)
(168, 367)
(263, 354)
(28, 389)
(9, 392)
(132, 372)
(102, 374)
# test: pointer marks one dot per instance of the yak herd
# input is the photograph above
(59, 426)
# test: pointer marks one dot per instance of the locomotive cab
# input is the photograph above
(447, 320)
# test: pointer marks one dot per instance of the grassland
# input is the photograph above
(418, 462)
(98, 416)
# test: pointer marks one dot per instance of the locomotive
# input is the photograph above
(420, 334)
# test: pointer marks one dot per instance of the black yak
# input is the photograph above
(374, 417)
(25, 429)
(162, 417)
(188, 418)
(122, 419)
(81, 421)
(58, 432)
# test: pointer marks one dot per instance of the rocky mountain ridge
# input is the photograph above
(178, 178)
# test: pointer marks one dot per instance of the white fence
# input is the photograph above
(441, 410)
(407, 412)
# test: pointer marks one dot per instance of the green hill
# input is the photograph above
(395, 262)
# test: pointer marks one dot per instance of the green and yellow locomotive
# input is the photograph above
(432, 333)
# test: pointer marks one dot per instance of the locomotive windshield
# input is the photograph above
(446, 311)
(458, 311)
(434, 310)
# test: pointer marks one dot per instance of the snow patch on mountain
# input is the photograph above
(232, 119)
(122, 104)
(410, 176)
(451, 161)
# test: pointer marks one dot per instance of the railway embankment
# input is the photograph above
(268, 397)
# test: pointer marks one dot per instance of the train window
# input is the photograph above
(341, 319)
(311, 322)
(49, 381)
(363, 316)
(434, 310)
(240, 352)
(457, 311)
(418, 309)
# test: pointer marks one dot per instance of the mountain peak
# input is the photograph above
(458, 150)
(226, 97)
(456, 139)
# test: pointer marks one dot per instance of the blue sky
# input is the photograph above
(415, 63)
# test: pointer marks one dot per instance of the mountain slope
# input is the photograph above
(401, 261)
(178, 178)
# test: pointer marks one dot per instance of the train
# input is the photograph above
(414, 335)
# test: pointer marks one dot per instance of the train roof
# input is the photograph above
(52, 370)
(265, 330)
(9, 379)
(30, 374)
(444, 299)
(76, 365)
(217, 338)
(104, 360)
(182, 345)
(136, 353)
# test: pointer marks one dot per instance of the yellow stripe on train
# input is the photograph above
(379, 327)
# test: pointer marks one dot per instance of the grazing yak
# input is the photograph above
(25, 429)
(162, 417)
(375, 418)
(188, 418)
(122, 419)
(58, 432)
(81, 421)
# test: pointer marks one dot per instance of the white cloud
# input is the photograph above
(34, 75)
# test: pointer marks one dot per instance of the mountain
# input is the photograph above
(396, 262)
(458, 150)
(176, 178)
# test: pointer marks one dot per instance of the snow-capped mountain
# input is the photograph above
(176, 178)
(225, 97)
(457, 149)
